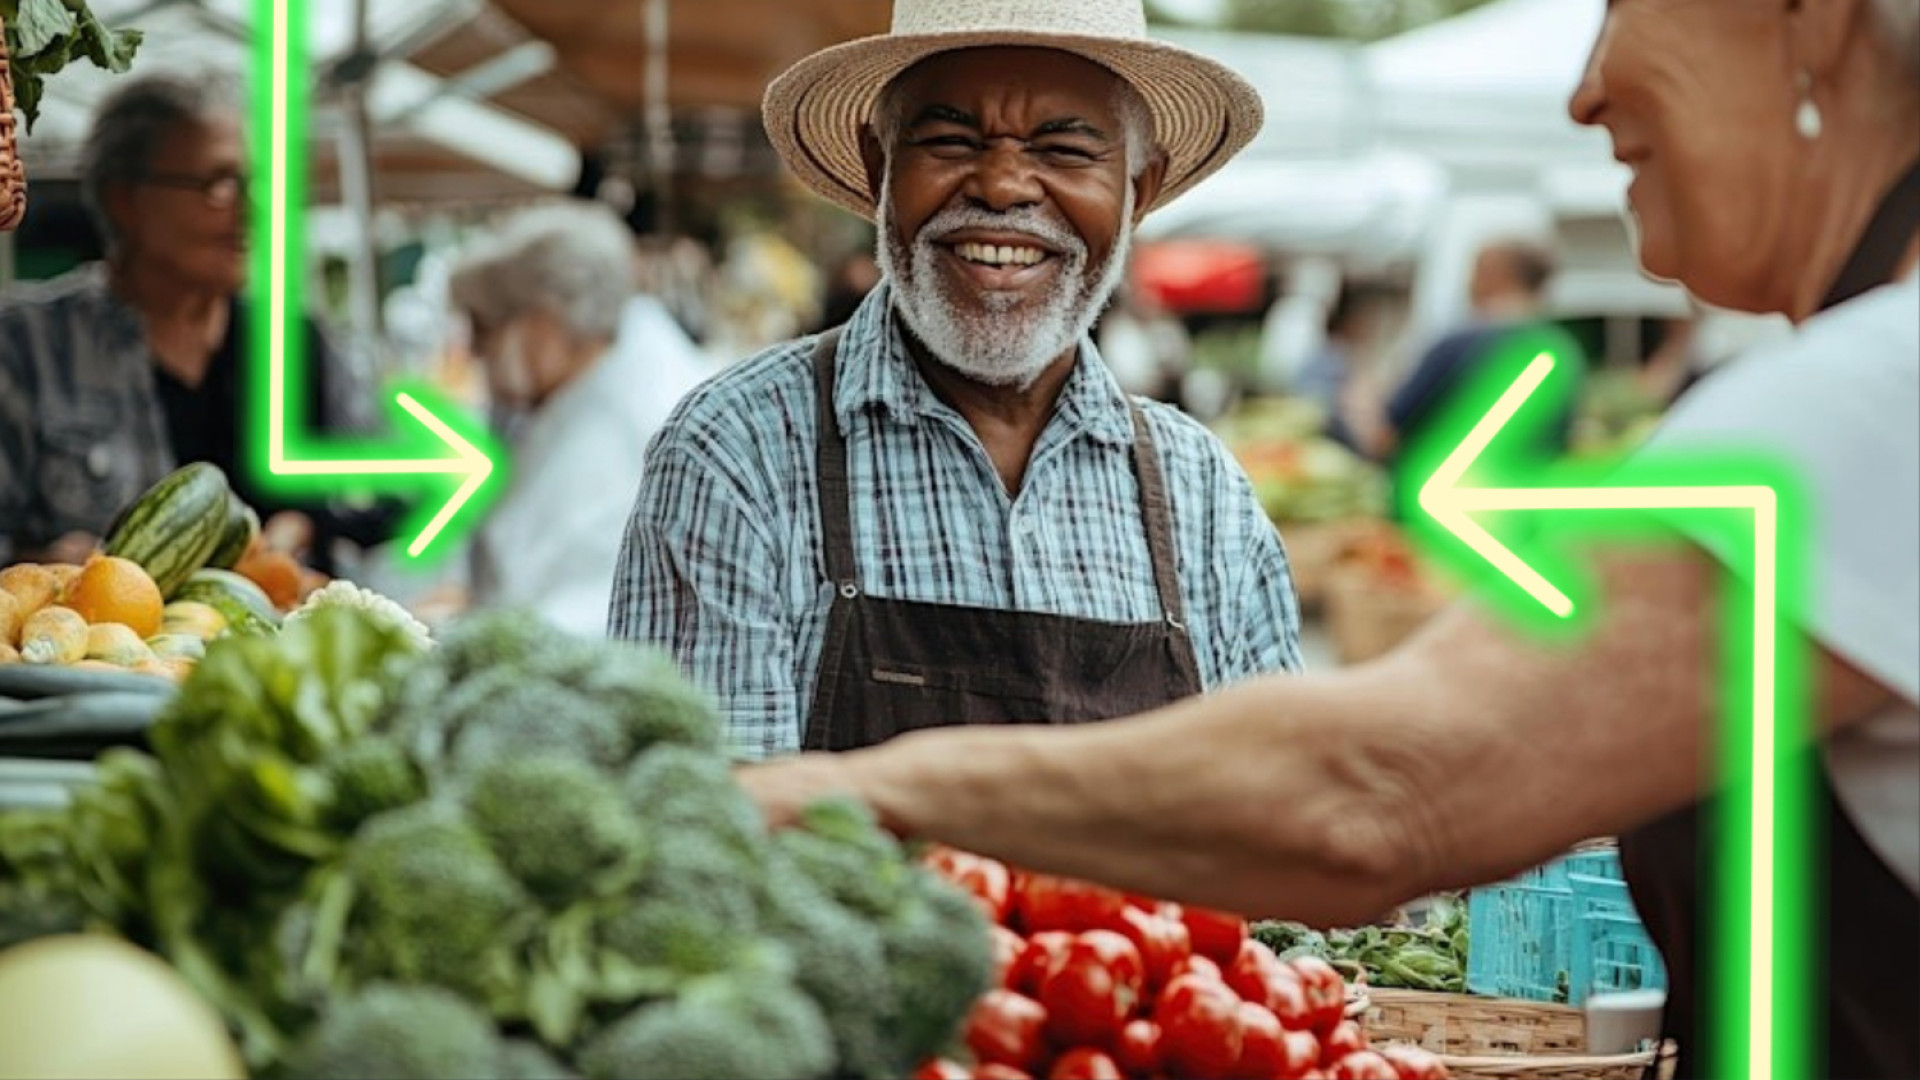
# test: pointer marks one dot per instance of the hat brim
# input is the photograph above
(1203, 112)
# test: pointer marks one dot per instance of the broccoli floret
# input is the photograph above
(723, 1029)
(38, 894)
(679, 943)
(843, 850)
(840, 962)
(370, 776)
(940, 962)
(686, 868)
(516, 641)
(398, 1033)
(502, 714)
(561, 827)
(524, 1060)
(436, 906)
(680, 787)
(655, 700)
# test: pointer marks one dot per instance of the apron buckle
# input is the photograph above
(850, 591)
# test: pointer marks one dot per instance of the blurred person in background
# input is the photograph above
(1776, 158)
(850, 283)
(1144, 346)
(1507, 295)
(577, 392)
(1324, 377)
(949, 511)
(115, 374)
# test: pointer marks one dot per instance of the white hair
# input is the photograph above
(1136, 121)
(1897, 24)
(572, 260)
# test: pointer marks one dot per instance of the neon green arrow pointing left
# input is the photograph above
(436, 451)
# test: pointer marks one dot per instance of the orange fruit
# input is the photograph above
(115, 590)
(277, 574)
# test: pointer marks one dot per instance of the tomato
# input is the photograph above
(1363, 1065)
(1138, 1049)
(1303, 1054)
(1216, 934)
(1326, 991)
(990, 882)
(1051, 903)
(1162, 942)
(1084, 1063)
(1197, 965)
(1287, 997)
(1413, 1063)
(1252, 968)
(1199, 1029)
(1345, 1038)
(1093, 991)
(942, 1069)
(1042, 954)
(1008, 1029)
(993, 1070)
(1263, 1045)
(1007, 947)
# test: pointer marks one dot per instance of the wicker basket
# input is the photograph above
(1367, 618)
(13, 177)
(1315, 550)
(1483, 1038)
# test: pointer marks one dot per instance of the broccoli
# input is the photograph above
(654, 699)
(436, 905)
(844, 851)
(370, 776)
(558, 825)
(38, 894)
(687, 868)
(938, 955)
(502, 714)
(721, 1029)
(516, 641)
(398, 1033)
(681, 787)
(672, 942)
(524, 1060)
(840, 963)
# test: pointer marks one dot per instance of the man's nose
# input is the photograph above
(1005, 178)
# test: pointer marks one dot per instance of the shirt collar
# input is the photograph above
(875, 370)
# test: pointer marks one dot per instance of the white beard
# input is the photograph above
(1013, 342)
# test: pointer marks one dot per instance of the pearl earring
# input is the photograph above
(1807, 118)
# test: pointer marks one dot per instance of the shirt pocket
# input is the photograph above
(92, 465)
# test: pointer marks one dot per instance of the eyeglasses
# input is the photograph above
(220, 191)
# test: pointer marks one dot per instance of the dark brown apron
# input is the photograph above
(1866, 966)
(888, 667)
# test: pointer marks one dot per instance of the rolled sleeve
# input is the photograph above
(699, 577)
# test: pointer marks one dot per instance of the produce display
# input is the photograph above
(509, 853)
(1432, 957)
(1298, 474)
(1093, 984)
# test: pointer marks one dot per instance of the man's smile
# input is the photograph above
(999, 262)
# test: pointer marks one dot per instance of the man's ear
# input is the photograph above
(1146, 186)
(874, 156)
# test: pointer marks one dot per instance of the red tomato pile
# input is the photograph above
(1099, 985)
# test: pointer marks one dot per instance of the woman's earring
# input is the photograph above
(1807, 118)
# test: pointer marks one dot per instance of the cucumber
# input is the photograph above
(78, 727)
(243, 527)
(173, 528)
(245, 605)
(27, 682)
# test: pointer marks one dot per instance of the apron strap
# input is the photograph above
(1878, 255)
(830, 472)
(1159, 518)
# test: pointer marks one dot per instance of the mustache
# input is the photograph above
(1029, 220)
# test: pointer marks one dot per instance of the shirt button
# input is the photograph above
(98, 462)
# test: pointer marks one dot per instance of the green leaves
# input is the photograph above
(44, 36)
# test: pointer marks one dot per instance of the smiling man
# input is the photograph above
(946, 511)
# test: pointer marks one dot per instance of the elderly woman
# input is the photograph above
(546, 298)
(115, 374)
(1775, 150)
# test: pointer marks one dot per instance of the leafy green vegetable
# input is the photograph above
(1432, 957)
(44, 36)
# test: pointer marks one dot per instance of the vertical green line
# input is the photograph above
(260, 126)
(284, 189)
(1727, 872)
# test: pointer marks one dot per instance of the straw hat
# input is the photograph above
(1203, 113)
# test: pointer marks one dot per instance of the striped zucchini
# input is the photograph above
(246, 607)
(243, 527)
(172, 529)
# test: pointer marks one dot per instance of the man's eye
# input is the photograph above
(948, 142)
(1072, 153)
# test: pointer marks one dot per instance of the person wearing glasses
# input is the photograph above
(113, 375)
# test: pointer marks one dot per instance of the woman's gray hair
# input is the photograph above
(573, 260)
(1898, 24)
(1136, 120)
(130, 125)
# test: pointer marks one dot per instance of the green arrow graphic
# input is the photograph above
(1764, 1012)
(437, 452)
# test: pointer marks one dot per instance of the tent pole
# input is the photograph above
(659, 112)
(356, 190)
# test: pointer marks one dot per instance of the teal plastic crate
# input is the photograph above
(1560, 932)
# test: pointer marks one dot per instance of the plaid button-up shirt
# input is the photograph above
(723, 562)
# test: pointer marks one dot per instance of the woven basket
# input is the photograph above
(1483, 1038)
(1367, 619)
(1314, 553)
(13, 177)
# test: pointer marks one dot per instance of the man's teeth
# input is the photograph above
(991, 255)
